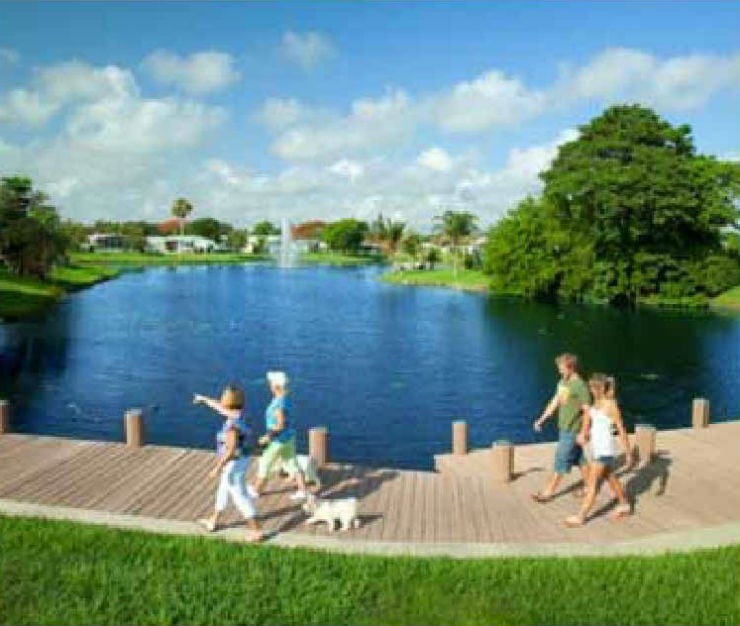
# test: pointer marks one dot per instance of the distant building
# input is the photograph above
(172, 226)
(107, 242)
(178, 244)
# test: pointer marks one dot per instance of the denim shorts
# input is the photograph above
(568, 452)
(609, 462)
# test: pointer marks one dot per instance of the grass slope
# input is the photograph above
(728, 300)
(142, 259)
(338, 259)
(65, 573)
(24, 297)
(467, 280)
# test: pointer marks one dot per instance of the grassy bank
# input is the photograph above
(64, 573)
(338, 259)
(467, 280)
(142, 259)
(728, 300)
(25, 297)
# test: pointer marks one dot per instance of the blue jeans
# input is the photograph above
(568, 452)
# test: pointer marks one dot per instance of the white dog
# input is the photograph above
(307, 465)
(329, 511)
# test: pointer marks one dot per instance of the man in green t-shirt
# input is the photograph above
(569, 399)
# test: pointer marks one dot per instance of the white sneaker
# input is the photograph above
(252, 492)
(298, 495)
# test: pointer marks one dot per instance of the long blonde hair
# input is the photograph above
(607, 385)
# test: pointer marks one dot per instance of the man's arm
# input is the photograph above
(549, 411)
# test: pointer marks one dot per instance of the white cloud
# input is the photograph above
(436, 159)
(279, 113)
(347, 168)
(370, 124)
(492, 99)
(117, 155)
(9, 56)
(307, 49)
(675, 83)
(198, 73)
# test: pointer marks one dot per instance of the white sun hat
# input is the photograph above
(277, 378)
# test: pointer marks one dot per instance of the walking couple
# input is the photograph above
(233, 450)
(584, 418)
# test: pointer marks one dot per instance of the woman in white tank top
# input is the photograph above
(599, 419)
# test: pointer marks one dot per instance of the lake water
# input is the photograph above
(386, 368)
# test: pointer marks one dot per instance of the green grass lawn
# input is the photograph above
(143, 259)
(65, 573)
(23, 297)
(338, 259)
(728, 300)
(468, 280)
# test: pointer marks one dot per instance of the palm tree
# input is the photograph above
(181, 208)
(456, 227)
(387, 233)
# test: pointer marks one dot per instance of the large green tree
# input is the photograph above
(31, 237)
(629, 212)
(345, 235)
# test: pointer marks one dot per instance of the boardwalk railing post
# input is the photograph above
(645, 442)
(4, 417)
(502, 454)
(318, 445)
(700, 413)
(460, 437)
(134, 422)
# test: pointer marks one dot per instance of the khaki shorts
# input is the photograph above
(278, 450)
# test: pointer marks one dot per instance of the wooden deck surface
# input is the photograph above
(693, 483)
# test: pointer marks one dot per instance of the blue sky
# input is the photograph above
(326, 109)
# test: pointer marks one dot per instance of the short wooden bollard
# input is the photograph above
(318, 445)
(645, 443)
(460, 437)
(4, 417)
(502, 455)
(700, 413)
(134, 421)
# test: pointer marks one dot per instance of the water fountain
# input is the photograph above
(287, 255)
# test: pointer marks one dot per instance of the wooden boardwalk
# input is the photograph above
(693, 483)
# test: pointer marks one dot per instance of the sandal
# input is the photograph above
(574, 521)
(209, 525)
(256, 537)
(623, 510)
(540, 499)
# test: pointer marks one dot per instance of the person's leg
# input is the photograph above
(623, 506)
(290, 463)
(561, 466)
(237, 489)
(268, 458)
(595, 474)
(579, 458)
(222, 500)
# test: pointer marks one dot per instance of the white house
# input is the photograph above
(106, 242)
(177, 244)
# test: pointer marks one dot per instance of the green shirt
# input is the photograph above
(573, 394)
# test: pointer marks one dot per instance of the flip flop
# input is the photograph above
(574, 521)
(540, 499)
(208, 524)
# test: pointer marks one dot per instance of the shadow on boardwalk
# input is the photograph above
(336, 483)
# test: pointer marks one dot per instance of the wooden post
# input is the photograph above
(700, 413)
(502, 455)
(460, 437)
(318, 445)
(134, 421)
(4, 417)
(645, 443)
